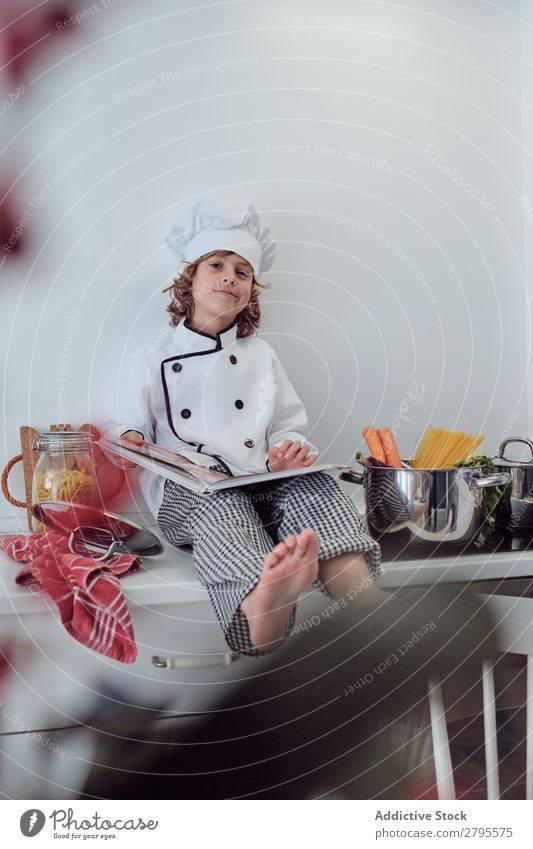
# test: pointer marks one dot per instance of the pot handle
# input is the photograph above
(511, 439)
(498, 479)
(352, 476)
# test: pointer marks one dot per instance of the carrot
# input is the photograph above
(374, 443)
(389, 446)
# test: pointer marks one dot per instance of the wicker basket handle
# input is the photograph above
(5, 475)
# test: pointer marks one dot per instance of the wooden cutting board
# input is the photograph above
(28, 437)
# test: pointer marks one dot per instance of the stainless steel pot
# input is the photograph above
(424, 506)
(515, 508)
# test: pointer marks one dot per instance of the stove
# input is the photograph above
(498, 542)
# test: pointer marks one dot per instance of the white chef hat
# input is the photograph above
(210, 224)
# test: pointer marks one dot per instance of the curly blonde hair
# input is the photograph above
(182, 302)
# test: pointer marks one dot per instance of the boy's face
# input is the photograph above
(221, 288)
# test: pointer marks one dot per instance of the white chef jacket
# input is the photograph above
(217, 400)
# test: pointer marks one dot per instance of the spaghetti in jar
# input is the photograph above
(65, 470)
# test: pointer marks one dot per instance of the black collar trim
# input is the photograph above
(209, 335)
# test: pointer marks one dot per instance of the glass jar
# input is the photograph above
(65, 470)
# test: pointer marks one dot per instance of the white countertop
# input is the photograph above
(170, 577)
(458, 567)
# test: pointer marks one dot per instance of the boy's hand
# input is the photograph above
(290, 455)
(129, 436)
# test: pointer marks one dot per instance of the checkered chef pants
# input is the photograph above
(232, 530)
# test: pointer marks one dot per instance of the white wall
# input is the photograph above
(357, 91)
(526, 200)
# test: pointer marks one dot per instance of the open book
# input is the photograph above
(199, 478)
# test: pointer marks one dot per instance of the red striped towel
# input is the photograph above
(87, 592)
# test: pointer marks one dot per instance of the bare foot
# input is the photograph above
(289, 568)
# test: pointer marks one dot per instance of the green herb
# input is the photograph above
(491, 494)
(358, 455)
(486, 464)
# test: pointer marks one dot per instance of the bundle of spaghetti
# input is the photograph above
(65, 485)
(440, 448)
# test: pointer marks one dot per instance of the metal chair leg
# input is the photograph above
(489, 725)
(529, 728)
(441, 744)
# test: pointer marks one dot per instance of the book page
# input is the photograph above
(157, 452)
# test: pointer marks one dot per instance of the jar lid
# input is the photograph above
(63, 440)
